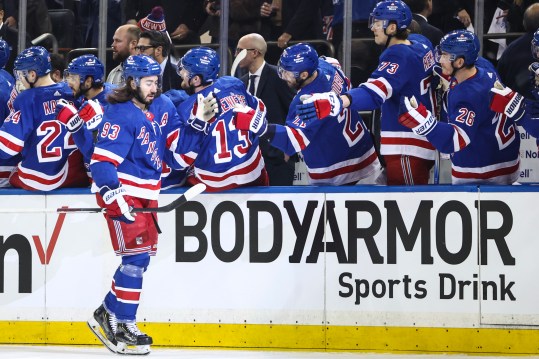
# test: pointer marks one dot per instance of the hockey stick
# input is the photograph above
(237, 61)
(187, 196)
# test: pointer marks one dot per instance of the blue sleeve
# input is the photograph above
(104, 174)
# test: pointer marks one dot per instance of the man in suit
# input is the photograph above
(157, 45)
(421, 10)
(262, 81)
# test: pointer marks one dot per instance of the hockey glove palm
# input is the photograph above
(319, 105)
(117, 203)
(445, 80)
(204, 110)
(248, 119)
(507, 101)
(417, 117)
(91, 113)
(67, 114)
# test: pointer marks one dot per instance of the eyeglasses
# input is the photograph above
(239, 49)
(143, 48)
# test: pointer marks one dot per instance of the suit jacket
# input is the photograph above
(277, 97)
(430, 32)
(171, 79)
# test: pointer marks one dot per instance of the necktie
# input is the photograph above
(252, 84)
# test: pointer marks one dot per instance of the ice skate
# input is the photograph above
(130, 340)
(104, 327)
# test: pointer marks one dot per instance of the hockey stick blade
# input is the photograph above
(237, 61)
(185, 197)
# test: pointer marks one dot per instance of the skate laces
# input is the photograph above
(132, 327)
(113, 323)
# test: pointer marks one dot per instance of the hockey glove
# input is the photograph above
(319, 105)
(67, 114)
(445, 80)
(534, 69)
(417, 117)
(117, 203)
(91, 113)
(507, 101)
(203, 111)
(248, 119)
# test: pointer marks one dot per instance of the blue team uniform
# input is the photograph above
(6, 89)
(404, 70)
(336, 150)
(484, 145)
(49, 154)
(227, 157)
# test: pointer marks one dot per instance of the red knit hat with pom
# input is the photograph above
(154, 21)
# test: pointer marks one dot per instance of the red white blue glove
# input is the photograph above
(319, 105)
(445, 80)
(91, 113)
(417, 117)
(67, 114)
(117, 203)
(507, 101)
(248, 119)
(204, 110)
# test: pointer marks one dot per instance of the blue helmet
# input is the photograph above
(84, 66)
(201, 61)
(391, 11)
(139, 66)
(297, 59)
(535, 45)
(34, 58)
(461, 43)
(4, 53)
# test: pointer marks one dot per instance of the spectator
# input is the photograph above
(89, 16)
(38, 21)
(184, 17)
(11, 36)
(123, 45)
(262, 81)
(157, 45)
(302, 20)
(514, 62)
(58, 65)
(449, 15)
(421, 10)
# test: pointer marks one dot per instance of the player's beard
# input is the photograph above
(144, 100)
(190, 89)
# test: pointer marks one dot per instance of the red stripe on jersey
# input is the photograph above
(150, 186)
(187, 159)
(101, 158)
(5, 174)
(241, 171)
(127, 295)
(39, 179)
(172, 137)
(347, 169)
(489, 174)
(298, 138)
(12, 146)
(380, 85)
(460, 139)
(406, 141)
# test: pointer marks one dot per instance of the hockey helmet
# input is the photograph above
(391, 11)
(84, 66)
(4, 53)
(201, 61)
(139, 66)
(459, 43)
(34, 58)
(535, 45)
(297, 59)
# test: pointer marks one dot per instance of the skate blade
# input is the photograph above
(123, 348)
(96, 329)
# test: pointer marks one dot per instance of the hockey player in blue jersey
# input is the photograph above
(405, 69)
(126, 168)
(228, 157)
(49, 157)
(484, 145)
(338, 150)
(6, 86)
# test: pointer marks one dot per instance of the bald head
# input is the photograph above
(254, 41)
(257, 49)
(531, 18)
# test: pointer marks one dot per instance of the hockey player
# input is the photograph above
(228, 157)
(6, 86)
(484, 145)
(49, 157)
(126, 168)
(338, 150)
(405, 69)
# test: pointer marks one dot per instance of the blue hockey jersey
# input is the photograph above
(6, 87)
(484, 145)
(44, 144)
(227, 157)
(337, 150)
(404, 70)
